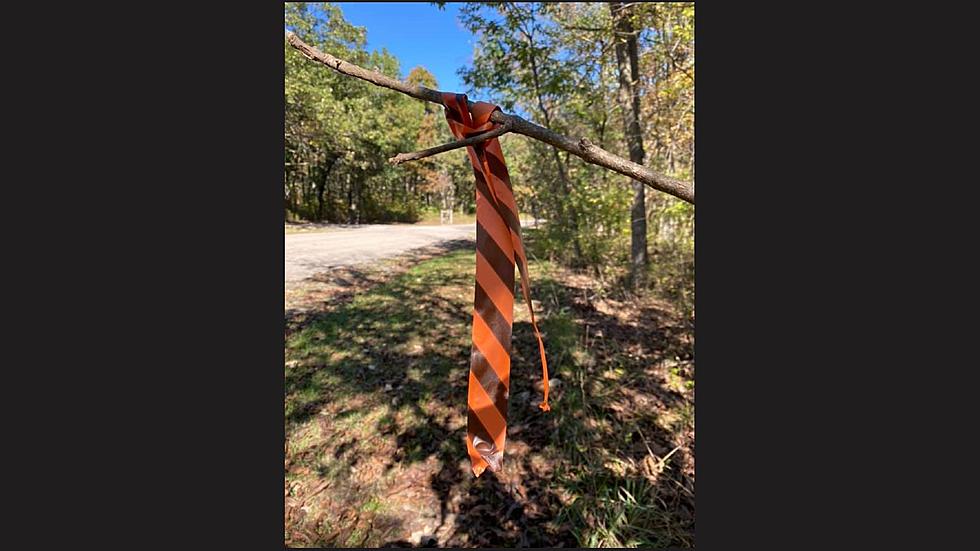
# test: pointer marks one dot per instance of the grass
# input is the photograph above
(375, 419)
(308, 227)
(432, 218)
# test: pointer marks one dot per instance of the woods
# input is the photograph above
(620, 76)
(340, 131)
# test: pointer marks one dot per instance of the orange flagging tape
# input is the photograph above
(498, 245)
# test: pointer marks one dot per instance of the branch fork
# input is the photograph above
(483, 136)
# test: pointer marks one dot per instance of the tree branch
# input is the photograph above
(349, 69)
(416, 155)
(582, 148)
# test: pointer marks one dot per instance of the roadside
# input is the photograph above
(430, 219)
(310, 254)
(338, 286)
(307, 227)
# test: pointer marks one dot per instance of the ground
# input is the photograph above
(323, 247)
(376, 369)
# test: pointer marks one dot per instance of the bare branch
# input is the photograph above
(588, 29)
(483, 136)
(374, 77)
(582, 148)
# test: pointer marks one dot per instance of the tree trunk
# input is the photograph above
(330, 211)
(629, 100)
(322, 187)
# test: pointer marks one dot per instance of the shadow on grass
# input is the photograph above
(348, 282)
(376, 407)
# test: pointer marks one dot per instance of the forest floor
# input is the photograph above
(377, 361)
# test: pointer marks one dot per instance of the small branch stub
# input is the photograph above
(416, 155)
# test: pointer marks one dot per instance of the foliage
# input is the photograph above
(553, 63)
(340, 131)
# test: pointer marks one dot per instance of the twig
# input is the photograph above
(666, 457)
(682, 487)
(416, 155)
(647, 444)
(400, 489)
(306, 500)
(582, 148)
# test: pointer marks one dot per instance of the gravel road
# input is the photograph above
(309, 253)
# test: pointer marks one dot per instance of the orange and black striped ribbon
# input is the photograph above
(498, 245)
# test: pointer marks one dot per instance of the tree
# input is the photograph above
(516, 59)
(627, 61)
(339, 131)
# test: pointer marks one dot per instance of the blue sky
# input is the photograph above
(417, 34)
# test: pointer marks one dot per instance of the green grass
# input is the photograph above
(432, 218)
(612, 480)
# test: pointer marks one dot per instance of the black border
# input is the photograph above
(175, 424)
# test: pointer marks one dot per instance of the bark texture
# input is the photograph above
(629, 100)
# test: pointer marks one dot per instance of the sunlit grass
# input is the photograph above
(393, 360)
